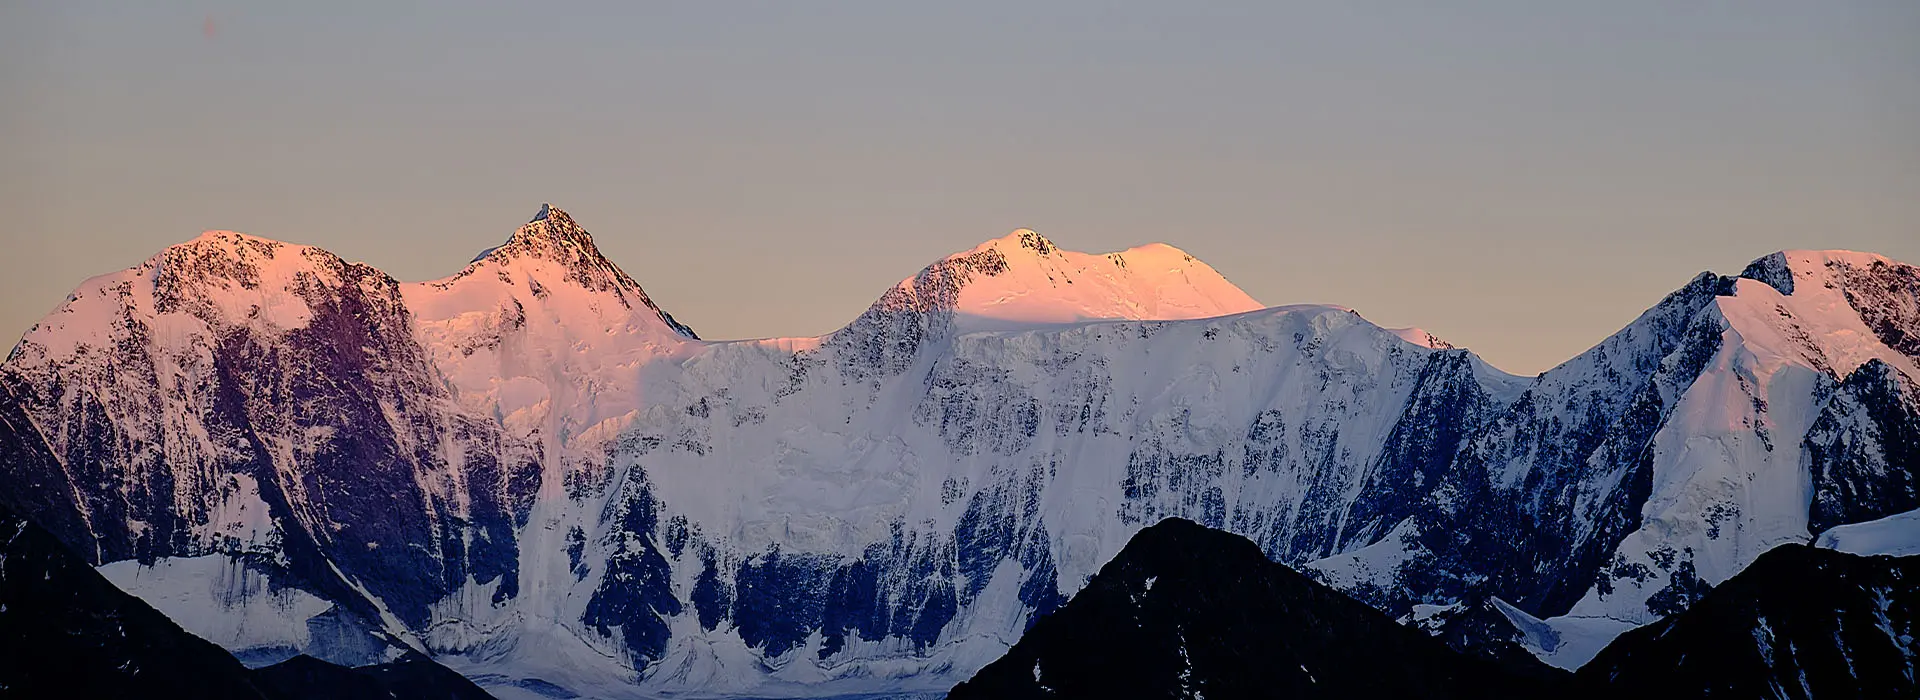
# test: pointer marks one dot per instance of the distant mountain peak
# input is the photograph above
(1778, 269)
(550, 228)
(1025, 278)
(223, 236)
(1028, 239)
(1869, 295)
(227, 245)
(554, 237)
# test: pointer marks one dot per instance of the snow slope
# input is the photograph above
(1894, 535)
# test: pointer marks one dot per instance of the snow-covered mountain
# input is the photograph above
(1023, 279)
(1738, 414)
(529, 468)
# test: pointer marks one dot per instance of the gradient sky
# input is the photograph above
(1522, 178)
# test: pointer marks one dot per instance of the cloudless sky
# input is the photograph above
(1521, 178)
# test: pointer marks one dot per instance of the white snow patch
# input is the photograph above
(218, 599)
(1579, 639)
(1895, 535)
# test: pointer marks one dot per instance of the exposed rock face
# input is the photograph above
(1557, 479)
(530, 465)
(1863, 452)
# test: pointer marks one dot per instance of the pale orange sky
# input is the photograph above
(1518, 179)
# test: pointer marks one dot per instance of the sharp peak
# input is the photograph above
(552, 221)
(550, 228)
(553, 236)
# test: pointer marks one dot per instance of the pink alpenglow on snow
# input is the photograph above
(1034, 282)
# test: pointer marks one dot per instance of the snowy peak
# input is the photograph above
(1830, 309)
(1024, 238)
(1023, 279)
(229, 255)
(556, 226)
(552, 234)
(217, 280)
(1785, 270)
(552, 250)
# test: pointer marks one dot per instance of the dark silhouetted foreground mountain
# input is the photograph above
(1799, 622)
(66, 632)
(1187, 611)
(411, 677)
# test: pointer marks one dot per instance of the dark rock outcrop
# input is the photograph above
(1799, 622)
(67, 632)
(1863, 452)
(1187, 611)
(410, 677)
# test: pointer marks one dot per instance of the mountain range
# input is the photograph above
(531, 471)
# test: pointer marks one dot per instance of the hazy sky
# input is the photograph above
(1522, 178)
